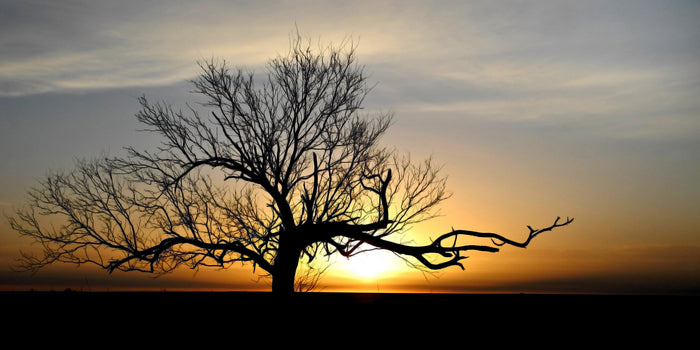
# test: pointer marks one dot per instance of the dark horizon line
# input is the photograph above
(351, 293)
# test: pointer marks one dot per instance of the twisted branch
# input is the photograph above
(451, 252)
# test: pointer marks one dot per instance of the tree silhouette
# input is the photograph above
(276, 171)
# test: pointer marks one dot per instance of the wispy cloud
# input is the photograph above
(632, 65)
(54, 46)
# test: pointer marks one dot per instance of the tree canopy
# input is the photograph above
(267, 171)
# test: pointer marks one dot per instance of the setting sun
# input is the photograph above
(369, 265)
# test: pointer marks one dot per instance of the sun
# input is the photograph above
(370, 265)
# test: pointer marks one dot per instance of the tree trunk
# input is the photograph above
(286, 263)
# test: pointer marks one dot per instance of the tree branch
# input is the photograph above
(451, 252)
(153, 254)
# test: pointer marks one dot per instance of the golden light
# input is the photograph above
(369, 265)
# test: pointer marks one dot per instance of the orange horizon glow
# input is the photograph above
(510, 271)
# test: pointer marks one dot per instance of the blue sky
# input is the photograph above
(537, 108)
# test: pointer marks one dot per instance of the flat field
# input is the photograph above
(556, 320)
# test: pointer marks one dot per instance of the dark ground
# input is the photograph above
(615, 320)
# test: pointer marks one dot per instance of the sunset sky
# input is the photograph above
(537, 109)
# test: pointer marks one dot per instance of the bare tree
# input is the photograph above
(277, 170)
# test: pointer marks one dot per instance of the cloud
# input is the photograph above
(74, 45)
(68, 45)
(629, 67)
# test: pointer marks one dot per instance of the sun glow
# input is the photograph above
(370, 265)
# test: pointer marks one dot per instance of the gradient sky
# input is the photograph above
(537, 109)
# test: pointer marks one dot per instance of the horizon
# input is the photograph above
(586, 110)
